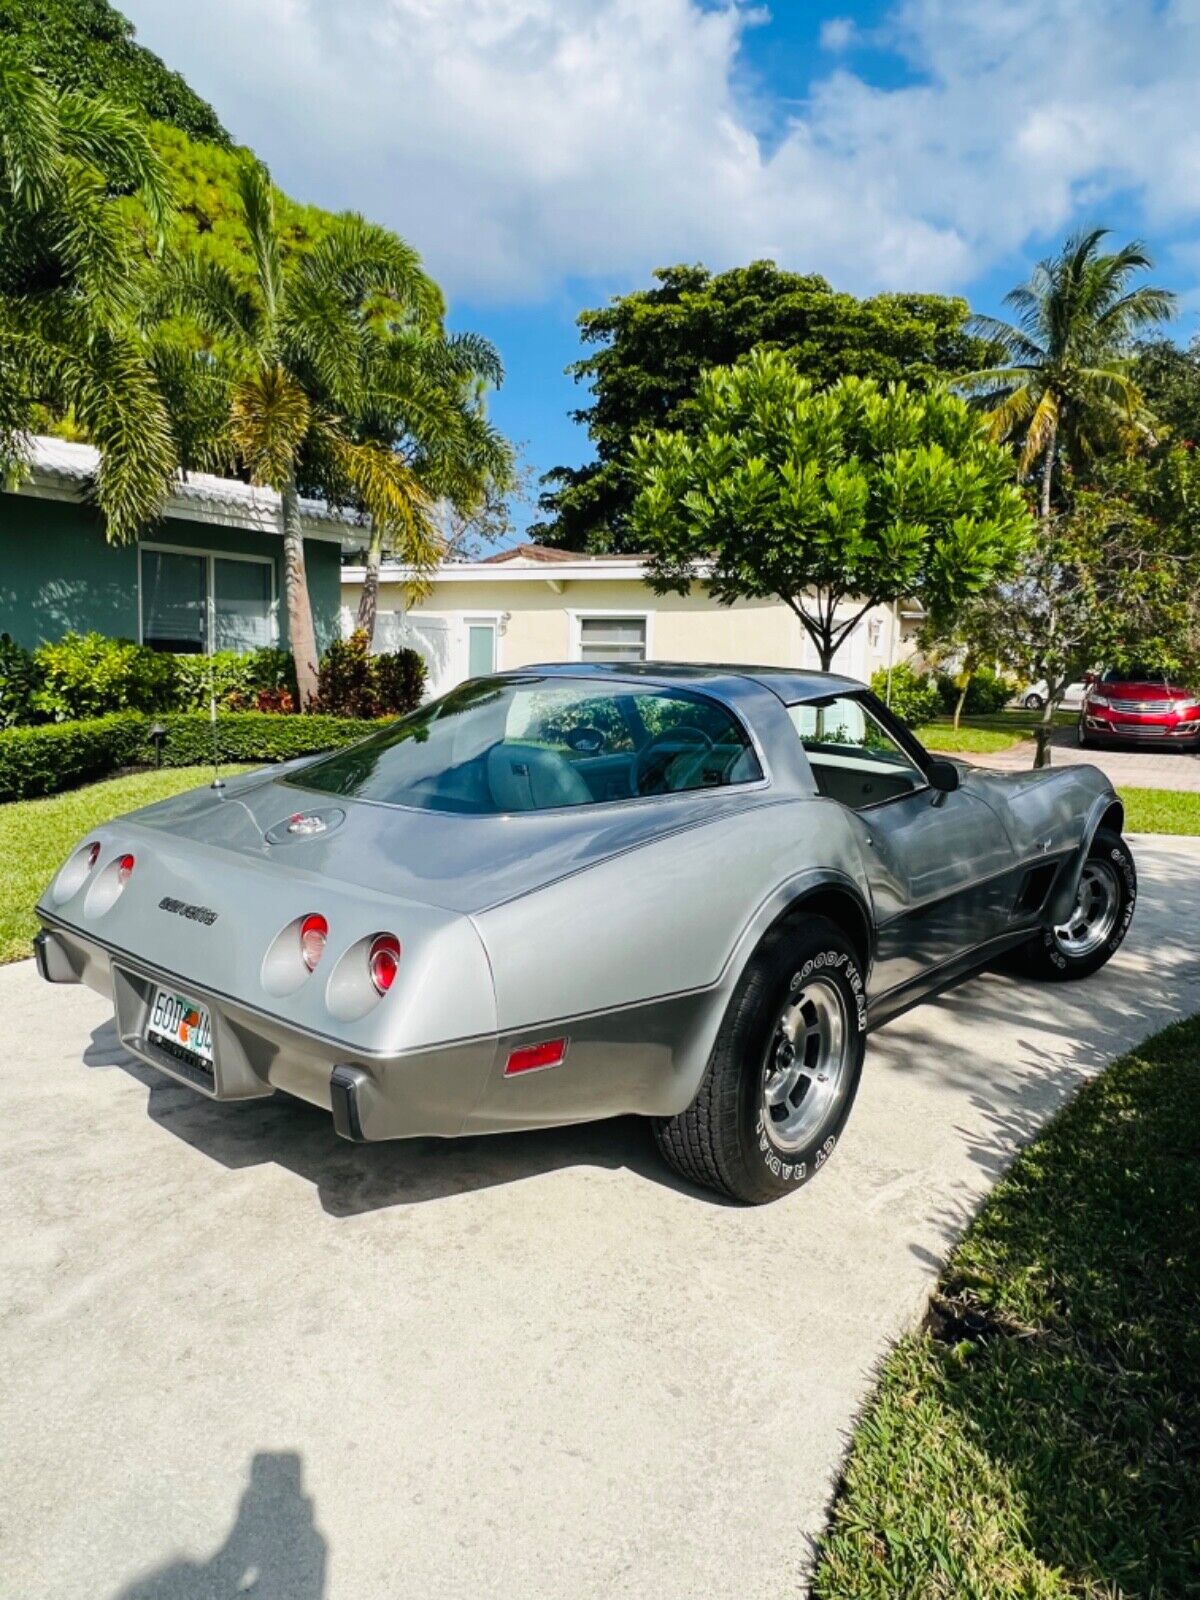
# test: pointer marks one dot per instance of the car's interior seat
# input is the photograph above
(528, 777)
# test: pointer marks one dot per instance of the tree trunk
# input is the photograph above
(368, 601)
(299, 605)
(826, 652)
(961, 702)
(1048, 471)
(1044, 729)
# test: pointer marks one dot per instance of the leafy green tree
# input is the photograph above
(88, 47)
(297, 346)
(652, 346)
(834, 500)
(1114, 585)
(1169, 379)
(1064, 383)
(71, 280)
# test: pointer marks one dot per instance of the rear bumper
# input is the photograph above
(645, 1058)
(430, 1092)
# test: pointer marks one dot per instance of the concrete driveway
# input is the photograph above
(242, 1357)
(1148, 768)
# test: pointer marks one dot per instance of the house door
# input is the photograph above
(481, 649)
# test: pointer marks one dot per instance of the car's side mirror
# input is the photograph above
(942, 775)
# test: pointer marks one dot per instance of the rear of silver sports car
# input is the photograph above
(240, 973)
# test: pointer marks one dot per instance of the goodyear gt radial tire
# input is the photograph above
(783, 1073)
(1099, 919)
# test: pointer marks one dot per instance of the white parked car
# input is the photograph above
(1033, 698)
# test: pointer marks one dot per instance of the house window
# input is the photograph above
(194, 603)
(613, 638)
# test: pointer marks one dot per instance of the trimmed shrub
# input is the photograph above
(915, 697)
(89, 675)
(400, 678)
(987, 692)
(37, 761)
(240, 682)
(18, 680)
(354, 683)
(251, 736)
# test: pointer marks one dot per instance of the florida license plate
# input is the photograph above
(182, 1028)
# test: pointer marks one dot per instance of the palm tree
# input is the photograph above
(1064, 380)
(70, 282)
(426, 403)
(297, 341)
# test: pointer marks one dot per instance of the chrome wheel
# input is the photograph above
(806, 1063)
(1095, 913)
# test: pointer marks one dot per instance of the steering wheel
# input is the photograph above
(585, 740)
(658, 752)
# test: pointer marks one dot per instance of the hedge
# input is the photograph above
(59, 755)
(35, 761)
(248, 736)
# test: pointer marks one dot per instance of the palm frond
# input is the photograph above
(29, 129)
(358, 259)
(258, 210)
(269, 418)
(117, 401)
(116, 142)
(205, 290)
(1043, 425)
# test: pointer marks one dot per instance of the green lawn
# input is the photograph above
(36, 835)
(984, 735)
(1041, 1438)
(946, 739)
(1161, 811)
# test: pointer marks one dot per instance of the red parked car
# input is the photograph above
(1139, 707)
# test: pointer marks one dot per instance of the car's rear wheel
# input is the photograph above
(783, 1073)
(1099, 919)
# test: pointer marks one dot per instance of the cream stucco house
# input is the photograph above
(536, 604)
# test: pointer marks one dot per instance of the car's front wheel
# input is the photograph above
(1033, 702)
(1099, 919)
(784, 1071)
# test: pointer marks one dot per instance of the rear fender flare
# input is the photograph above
(814, 884)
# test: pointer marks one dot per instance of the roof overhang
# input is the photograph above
(62, 470)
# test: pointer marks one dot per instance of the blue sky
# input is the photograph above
(543, 154)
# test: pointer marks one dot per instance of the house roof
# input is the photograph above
(529, 552)
(60, 469)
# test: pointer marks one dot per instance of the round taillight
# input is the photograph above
(124, 870)
(314, 931)
(384, 961)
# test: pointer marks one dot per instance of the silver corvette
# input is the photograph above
(581, 890)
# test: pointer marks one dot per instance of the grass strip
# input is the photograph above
(1040, 1438)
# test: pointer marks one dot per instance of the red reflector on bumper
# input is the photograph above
(534, 1057)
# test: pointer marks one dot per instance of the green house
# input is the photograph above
(208, 576)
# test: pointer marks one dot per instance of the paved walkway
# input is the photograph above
(1137, 769)
(241, 1356)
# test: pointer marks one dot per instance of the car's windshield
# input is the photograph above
(531, 744)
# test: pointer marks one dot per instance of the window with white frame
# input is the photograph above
(194, 602)
(613, 638)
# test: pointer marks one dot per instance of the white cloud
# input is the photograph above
(838, 33)
(519, 143)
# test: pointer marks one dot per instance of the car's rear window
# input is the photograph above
(533, 744)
